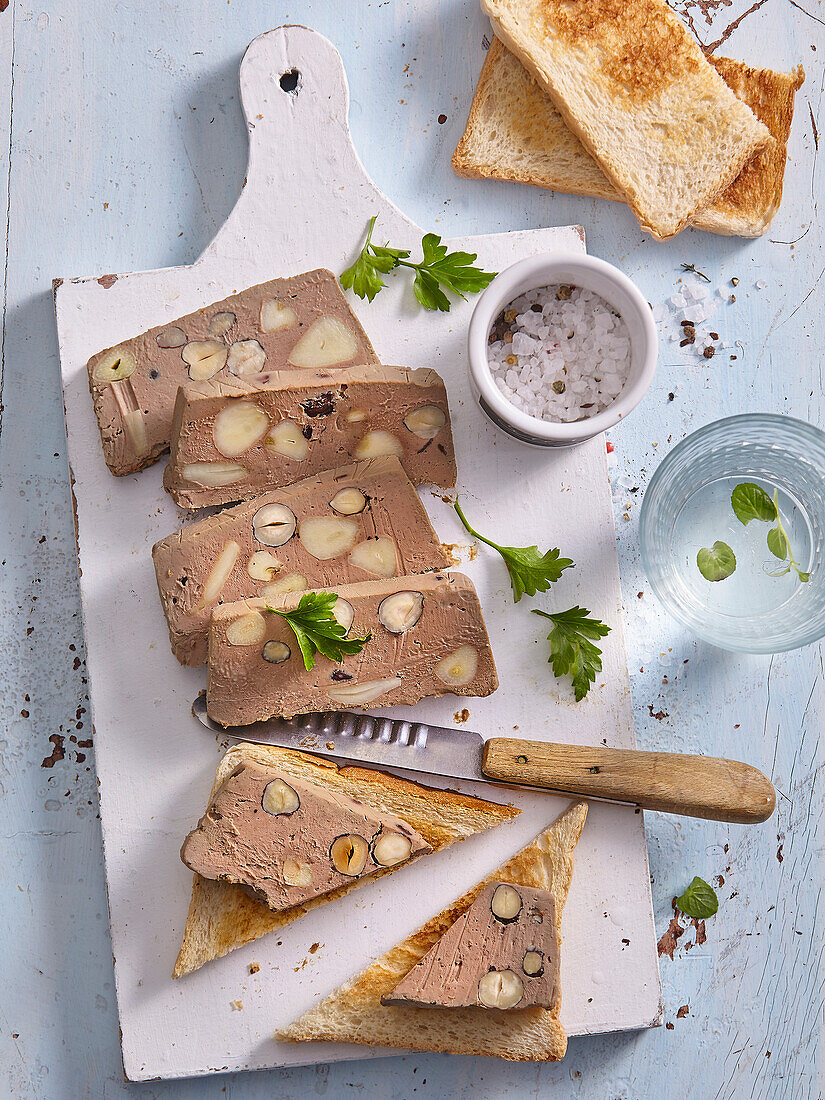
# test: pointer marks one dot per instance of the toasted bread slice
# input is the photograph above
(354, 1012)
(514, 132)
(222, 916)
(633, 85)
(747, 207)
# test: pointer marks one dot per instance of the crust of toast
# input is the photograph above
(635, 88)
(533, 145)
(222, 916)
(747, 207)
(354, 1012)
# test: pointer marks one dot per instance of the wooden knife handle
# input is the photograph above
(675, 783)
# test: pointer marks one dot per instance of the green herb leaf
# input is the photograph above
(440, 268)
(529, 570)
(571, 648)
(364, 276)
(750, 501)
(699, 900)
(317, 630)
(717, 562)
(778, 543)
(429, 293)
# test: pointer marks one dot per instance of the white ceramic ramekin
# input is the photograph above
(579, 270)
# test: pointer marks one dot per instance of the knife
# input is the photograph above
(675, 783)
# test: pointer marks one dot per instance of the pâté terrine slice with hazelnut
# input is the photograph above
(287, 841)
(357, 522)
(502, 953)
(303, 322)
(428, 639)
(233, 438)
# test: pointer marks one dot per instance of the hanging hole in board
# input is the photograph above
(290, 82)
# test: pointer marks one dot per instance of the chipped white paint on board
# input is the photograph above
(155, 763)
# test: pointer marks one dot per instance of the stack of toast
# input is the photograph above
(617, 101)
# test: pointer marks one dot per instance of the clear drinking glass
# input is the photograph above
(687, 506)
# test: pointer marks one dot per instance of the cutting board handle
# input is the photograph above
(675, 783)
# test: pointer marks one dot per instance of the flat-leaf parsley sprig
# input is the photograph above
(438, 270)
(572, 649)
(317, 630)
(529, 570)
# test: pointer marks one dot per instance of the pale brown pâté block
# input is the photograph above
(501, 954)
(284, 324)
(233, 438)
(428, 639)
(340, 526)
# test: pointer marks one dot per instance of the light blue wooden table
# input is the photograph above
(127, 151)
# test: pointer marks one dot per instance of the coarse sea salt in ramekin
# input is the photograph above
(560, 353)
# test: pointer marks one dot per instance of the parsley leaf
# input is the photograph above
(529, 570)
(453, 270)
(699, 900)
(364, 276)
(717, 562)
(438, 269)
(750, 501)
(317, 630)
(571, 650)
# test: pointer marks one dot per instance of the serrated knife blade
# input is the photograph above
(676, 783)
(367, 738)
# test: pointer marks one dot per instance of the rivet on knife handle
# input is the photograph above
(697, 786)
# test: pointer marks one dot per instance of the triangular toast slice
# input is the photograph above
(515, 132)
(354, 1012)
(222, 915)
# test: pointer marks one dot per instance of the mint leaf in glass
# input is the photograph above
(717, 562)
(699, 900)
(778, 543)
(750, 501)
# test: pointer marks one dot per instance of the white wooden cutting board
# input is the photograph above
(306, 204)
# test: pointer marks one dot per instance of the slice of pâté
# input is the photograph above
(284, 324)
(337, 527)
(426, 638)
(233, 438)
(502, 953)
(288, 841)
